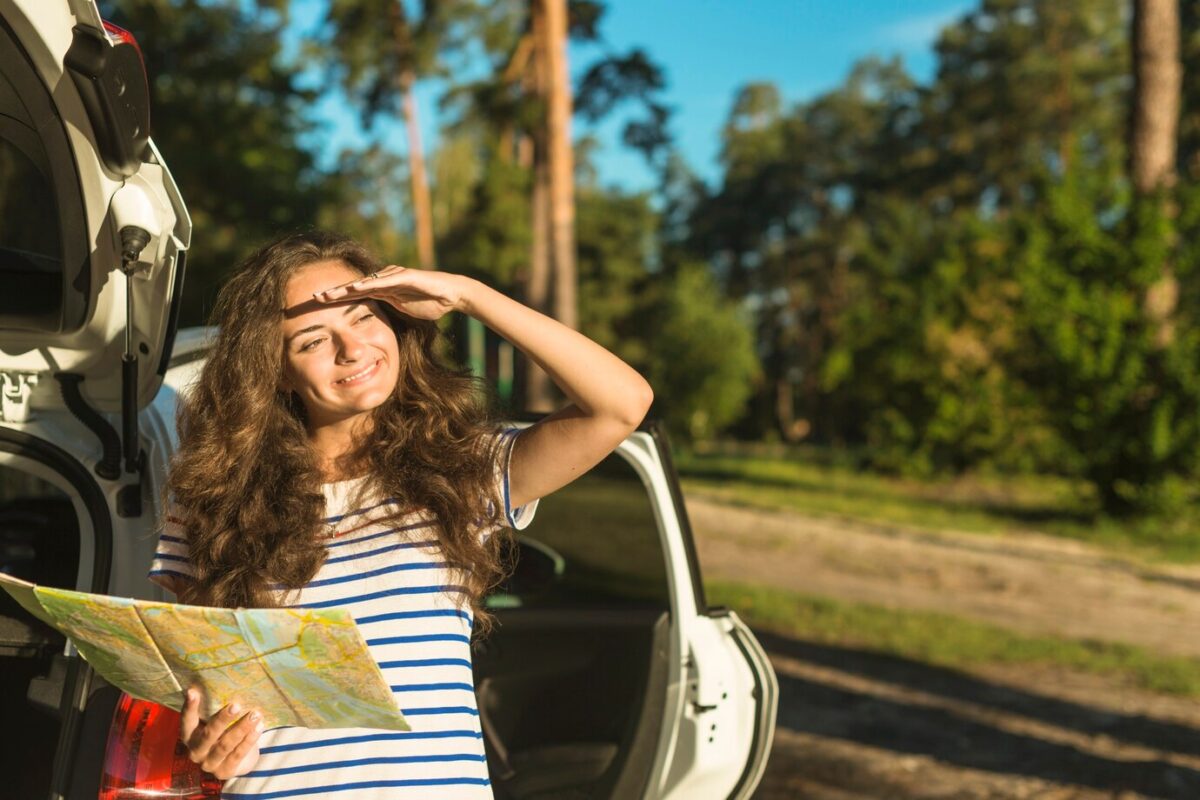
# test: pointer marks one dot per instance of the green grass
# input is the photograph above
(813, 482)
(946, 640)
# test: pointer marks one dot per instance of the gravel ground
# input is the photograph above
(859, 725)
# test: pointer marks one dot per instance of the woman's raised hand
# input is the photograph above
(418, 293)
(225, 745)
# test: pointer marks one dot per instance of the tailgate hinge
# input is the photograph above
(15, 389)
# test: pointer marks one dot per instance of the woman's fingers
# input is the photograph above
(189, 719)
(244, 758)
(207, 735)
(227, 743)
(421, 294)
(232, 747)
(363, 285)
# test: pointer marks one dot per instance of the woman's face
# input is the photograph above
(341, 359)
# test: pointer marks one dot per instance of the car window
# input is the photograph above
(31, 263)
(601, 535)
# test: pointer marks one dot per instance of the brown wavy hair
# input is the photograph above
(246, 483)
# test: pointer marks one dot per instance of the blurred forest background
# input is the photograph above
(993, 272)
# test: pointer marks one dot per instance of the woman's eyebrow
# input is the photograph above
(319, 326)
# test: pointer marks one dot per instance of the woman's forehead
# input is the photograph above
(315, 277)
(301, 309)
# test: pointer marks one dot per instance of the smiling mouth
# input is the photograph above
(358, 377)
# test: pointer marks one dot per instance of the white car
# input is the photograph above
(607, 675)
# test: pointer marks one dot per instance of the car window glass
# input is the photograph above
(31, 263)
(595, 542)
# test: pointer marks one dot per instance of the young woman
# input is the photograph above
(328, 458)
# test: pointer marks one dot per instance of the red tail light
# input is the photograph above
(145, 758)
(121, 36)
(109, 72)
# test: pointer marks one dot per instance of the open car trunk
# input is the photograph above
(52, 517)
(39, 541)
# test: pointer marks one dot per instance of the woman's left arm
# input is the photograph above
(608, 397)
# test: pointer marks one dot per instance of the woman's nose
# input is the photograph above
(350, 347)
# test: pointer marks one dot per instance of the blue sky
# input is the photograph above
(709, 48)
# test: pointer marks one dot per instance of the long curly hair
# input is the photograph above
(246, 482)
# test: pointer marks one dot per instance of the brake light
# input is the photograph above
(109, 71)
(145, 758)
(121, 36)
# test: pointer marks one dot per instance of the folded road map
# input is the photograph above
(303, 667)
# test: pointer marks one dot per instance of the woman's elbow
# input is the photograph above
(638, 404)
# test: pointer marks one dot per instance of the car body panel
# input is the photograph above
(94, 349)
(725, 697)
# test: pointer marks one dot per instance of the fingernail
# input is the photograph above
(234, 708)
(256, 716)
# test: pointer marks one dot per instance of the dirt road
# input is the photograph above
(859, 725)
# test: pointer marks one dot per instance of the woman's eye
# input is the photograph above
(368, 315)
(311, 345)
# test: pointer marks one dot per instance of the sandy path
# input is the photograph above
(1029, 583)
(861, 727)
(855, 725)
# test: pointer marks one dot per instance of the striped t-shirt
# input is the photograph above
(387, 571)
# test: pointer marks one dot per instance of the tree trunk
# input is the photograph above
(516, 69)
(422, 207)
(419, 184)
(552, 271)
(1157, 81)
(562, 164)
(539, 394)
(1157, 78)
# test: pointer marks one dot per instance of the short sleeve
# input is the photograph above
(520, 517)
(171, 560)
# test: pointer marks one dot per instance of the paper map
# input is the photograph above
(303, 667)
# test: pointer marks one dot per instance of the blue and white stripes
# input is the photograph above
(388, 572)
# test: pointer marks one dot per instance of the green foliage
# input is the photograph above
(491, 238)
(373, 47)
(1122, 386)
(615, 239)
(702, 364)
(1022, 86)
(955, 275)
(923, 361)
(378, 179)
(949, 277)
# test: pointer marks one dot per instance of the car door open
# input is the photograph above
(602, 677)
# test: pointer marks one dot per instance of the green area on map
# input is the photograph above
(303, 667)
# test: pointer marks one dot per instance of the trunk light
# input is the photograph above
(145, 758)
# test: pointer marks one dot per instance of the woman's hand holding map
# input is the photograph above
(225, 745)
